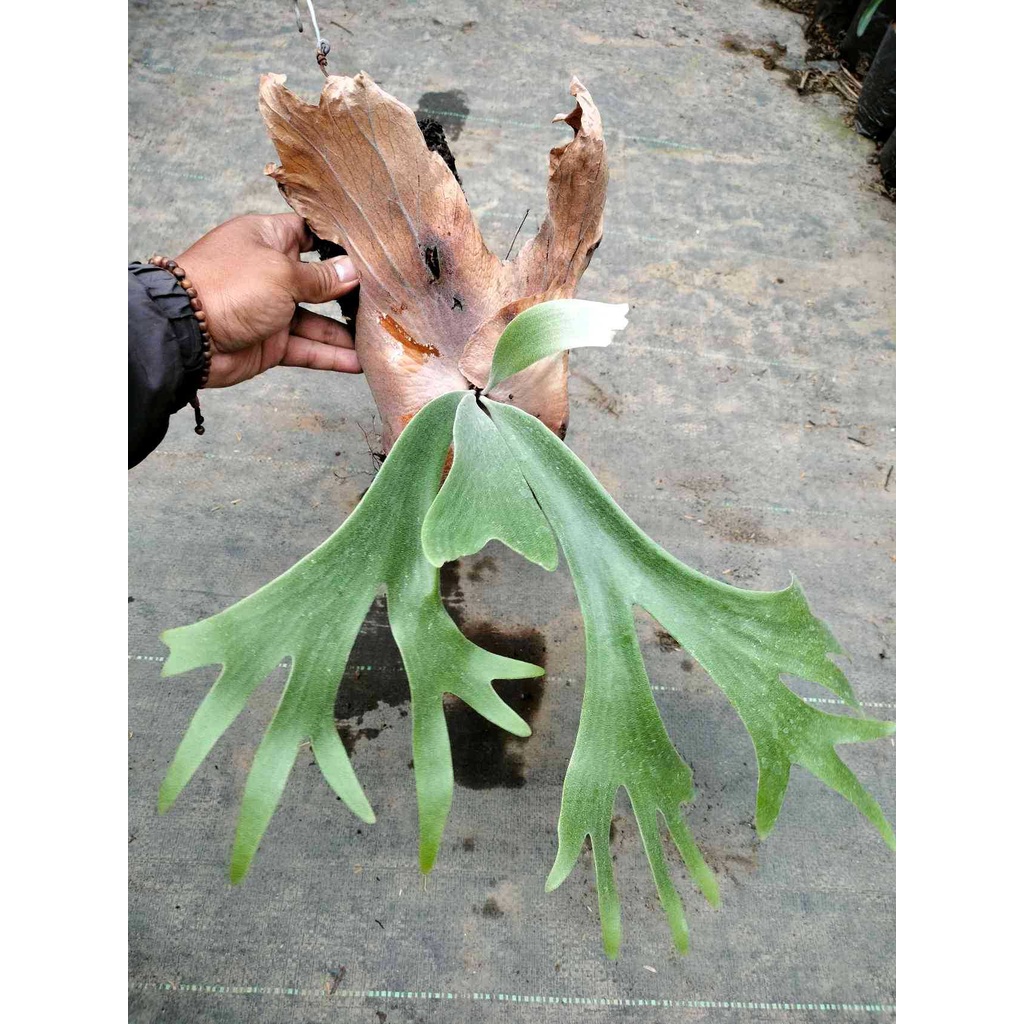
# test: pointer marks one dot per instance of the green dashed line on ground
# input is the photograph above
(506, 997)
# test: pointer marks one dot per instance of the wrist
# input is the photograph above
(197, 376)
(202, 283)
(185, 285)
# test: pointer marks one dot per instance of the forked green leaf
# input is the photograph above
(513, 480)
(551, 327)
(746, 640)
(622, 741)
(485, 498)
(311, 616)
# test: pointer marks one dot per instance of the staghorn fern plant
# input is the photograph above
(512, 479)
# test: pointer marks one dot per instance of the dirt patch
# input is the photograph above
(350, 735)
(617, 828)
(481, 569)
(769, 52)
(731, 852)
(703, 486)
(315, 423)
(505, 898)
(809, 74)
(597, 396)
(730, 863)
(737, 525)
(666, 641)
(821, 36)
(491, 908)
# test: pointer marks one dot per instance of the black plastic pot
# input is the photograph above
(876, 111)
(857, 49)
(834, 15)
(887, 163)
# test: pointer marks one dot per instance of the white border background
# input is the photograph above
(960, 278)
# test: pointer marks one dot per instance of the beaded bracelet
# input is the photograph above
(197, 309)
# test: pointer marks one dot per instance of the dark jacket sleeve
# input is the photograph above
(165, 356)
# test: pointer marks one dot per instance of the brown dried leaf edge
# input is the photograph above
(433, 299)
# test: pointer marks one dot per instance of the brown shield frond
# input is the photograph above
(433, 298)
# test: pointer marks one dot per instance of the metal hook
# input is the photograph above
(323, 47)
(321, 55)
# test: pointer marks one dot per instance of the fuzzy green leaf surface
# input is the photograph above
(745, 639)
(485, 498)
(551, 327)
(311, 615)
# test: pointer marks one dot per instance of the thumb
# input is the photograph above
(321, 282)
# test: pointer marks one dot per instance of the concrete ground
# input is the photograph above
(745, 420)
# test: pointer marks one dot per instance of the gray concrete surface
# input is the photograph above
(745, 420)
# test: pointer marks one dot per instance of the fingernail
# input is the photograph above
(345, 269)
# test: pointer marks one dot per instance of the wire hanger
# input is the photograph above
(323, 47)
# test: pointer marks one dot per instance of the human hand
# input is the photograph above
(249, 279)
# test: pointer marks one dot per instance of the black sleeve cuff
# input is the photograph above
(165, 356)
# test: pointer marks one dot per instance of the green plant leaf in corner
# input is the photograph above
(746, 640)
(311, 616)
(551, 327)
(865, 18)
